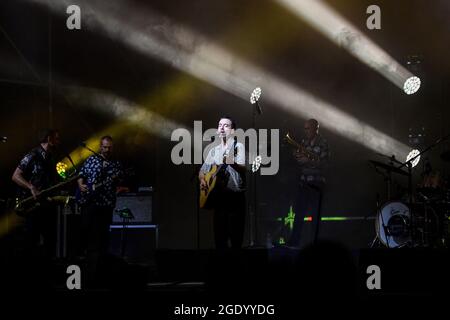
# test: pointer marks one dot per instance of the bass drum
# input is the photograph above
(393, 224)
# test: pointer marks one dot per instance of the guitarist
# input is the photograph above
(97, 206)
(37, 171)
(312, 180)
(228, 197)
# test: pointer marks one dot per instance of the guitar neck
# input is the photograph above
(115, 177)
(56, 186)
(100, 184)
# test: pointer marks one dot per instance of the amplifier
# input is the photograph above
(140, 204)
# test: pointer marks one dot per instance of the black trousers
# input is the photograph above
(308, 204)
(34, 247)
(229, 219)
(95, 224)
(40, 232)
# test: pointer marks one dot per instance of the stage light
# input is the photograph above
(413, 154)
(194, 54)
(256, 94)
(256, 164)
(288, 220)
(61, 169)
(412, 85)
(9, 221)
(125, 113)
(334, 219)
(337, 29)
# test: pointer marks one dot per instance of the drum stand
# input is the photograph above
(388, 179)
(410, 188)
(376, 240)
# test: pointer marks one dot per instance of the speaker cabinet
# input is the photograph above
(140, 205)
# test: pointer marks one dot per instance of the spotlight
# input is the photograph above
(412, 85)
(61, 169)
(256, 94)
(411, 155)
(256, 164)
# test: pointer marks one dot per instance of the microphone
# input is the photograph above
(4, 139)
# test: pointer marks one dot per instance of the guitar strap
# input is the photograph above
(234, 149)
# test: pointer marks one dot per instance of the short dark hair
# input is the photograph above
(44, 134)
(107, 137)
(233, 123)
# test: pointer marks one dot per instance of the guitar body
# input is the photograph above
(211, 178)
(84, 197)
(27, 205)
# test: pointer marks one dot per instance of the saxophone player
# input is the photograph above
(312, 156)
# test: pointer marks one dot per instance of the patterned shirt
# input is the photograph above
(314, 170)
(97, 170)
(39, 168)
(215, 156)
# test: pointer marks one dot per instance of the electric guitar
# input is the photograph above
(27, 205)
(95, 188)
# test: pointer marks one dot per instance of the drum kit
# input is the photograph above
(419, 219)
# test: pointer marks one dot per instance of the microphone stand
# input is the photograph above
(253, 214)
(67, 155)
(194, 178)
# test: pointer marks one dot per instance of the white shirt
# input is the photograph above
(216, 155)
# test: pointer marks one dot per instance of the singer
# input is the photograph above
(228, 195)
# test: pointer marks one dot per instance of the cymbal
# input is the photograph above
(388, 167)
(446, 156)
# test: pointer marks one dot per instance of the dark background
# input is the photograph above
(37, 49)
